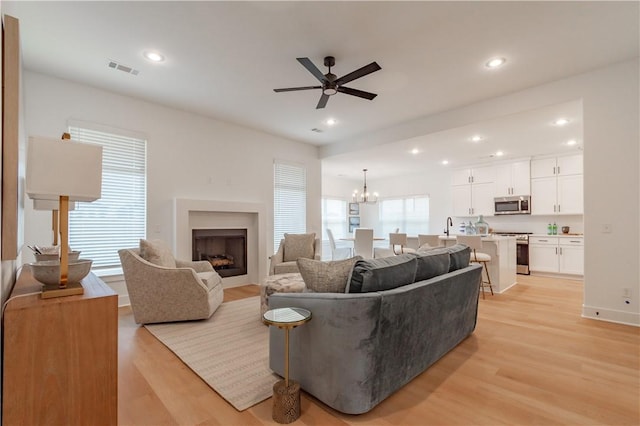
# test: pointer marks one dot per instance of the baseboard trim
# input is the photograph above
(123, 300)
(610, 315)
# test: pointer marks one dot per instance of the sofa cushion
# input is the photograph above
(382, 274)
(326, 277)
(432, 263)
(157, 252)
(299, 245)
(210, 279)
(459, 256)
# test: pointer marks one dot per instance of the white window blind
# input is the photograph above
(410, 214)
(118, 219)
(289, 201)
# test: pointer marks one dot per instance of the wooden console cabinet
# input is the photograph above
(60, 356)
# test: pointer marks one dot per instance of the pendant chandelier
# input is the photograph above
(364, 196)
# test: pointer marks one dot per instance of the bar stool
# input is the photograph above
(475, 242)
(399, 239)
(432, 240)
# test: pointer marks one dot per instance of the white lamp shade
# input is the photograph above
(63, 167)
(51, 205)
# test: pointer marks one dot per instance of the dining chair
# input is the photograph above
(337, 253)
(432, 240)
(398, 243)
(363, 242)
(475, 243)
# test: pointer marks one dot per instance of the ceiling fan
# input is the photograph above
(331, 84)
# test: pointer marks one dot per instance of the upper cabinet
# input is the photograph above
(472, 191)
(481, 174)
(512, 178)
(556, 166)
(557, 185)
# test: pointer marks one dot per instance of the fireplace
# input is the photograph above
(225, 249)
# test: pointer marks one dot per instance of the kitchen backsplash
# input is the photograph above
(526, 223)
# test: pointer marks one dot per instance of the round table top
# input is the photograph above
(286, 317)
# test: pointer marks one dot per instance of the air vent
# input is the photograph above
(315, 129)
(124, 68)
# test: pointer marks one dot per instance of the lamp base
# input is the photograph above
(51, 291)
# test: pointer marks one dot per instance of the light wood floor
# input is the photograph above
(532, 360)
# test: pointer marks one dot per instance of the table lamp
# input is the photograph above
(62, 171)
(54, 207)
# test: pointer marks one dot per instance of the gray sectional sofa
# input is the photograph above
(361, 347)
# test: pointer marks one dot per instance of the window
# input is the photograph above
(118, 219)
(410, 214)
(334, 217)
(289, 201)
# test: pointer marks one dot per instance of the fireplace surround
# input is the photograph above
(190, 214)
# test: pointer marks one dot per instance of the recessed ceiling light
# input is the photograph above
(154, 56)
(495, 63)
(499, 154)
(561, 122)
(444, 162)
(331, 121)
(476, 138)
(415, 151)
(572, 142)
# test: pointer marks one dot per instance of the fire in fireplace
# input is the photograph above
(225, 249)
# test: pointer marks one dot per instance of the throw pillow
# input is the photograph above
(157, 252)
(459, 255)
(382, 274)
(299, 245)
(432, 263)
(326, 277)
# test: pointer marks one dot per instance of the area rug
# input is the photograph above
(229, 351)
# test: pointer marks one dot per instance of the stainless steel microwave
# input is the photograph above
(512, 205)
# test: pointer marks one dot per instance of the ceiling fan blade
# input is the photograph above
(361, 72)
(306, 62)
(356, 92)
(323, 101)
(291, 89)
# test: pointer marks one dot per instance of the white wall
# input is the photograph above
(189, 156)
(611, 177)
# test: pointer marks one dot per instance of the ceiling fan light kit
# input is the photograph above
(331, 84)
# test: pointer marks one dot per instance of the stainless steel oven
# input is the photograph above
(522, 250)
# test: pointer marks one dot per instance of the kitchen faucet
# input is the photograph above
(449, 223)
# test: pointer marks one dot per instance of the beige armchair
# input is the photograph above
(291, 247)
(178, 292)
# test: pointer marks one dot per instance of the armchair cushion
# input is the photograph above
(157, 252)
(299, 245)
(326, 277)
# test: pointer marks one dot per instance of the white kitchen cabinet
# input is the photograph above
(556, 166)
(564, 255)
(570, 194)
(472, 191)
(557, 186)
(512, 179)
(481, 174)
(571, 257)
(543, 254)
(472, 199)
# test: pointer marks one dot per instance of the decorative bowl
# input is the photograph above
(48, 271)
(41, 257)
(565, 229)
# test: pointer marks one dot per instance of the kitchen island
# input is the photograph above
(502, 250)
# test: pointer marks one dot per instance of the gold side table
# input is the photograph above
(286, 393)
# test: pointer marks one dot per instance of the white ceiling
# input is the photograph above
(224, 59)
